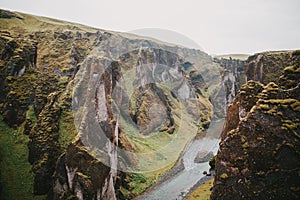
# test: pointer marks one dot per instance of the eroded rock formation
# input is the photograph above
(259, 152)
(232, 78)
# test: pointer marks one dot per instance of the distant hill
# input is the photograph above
(233, 56)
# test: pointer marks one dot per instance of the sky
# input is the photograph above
(217, 26)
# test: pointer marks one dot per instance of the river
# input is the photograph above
(179, 185)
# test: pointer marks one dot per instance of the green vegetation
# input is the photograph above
(16, 175)
(161, 148)
(140, 183)
(67, 130)
(31, 115)
(31, 23)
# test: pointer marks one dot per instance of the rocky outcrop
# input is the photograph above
(259, 151)
(43, 145)
(268, 66)
(203, 156)
(78, 175)
(18, 62)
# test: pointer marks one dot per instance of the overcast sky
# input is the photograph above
(218, 26)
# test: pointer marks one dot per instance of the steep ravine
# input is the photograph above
(106, 115)
(88, 100)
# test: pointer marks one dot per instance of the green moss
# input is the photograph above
(260, 138)
(296, 189)
(31, 115)
(67, 130)
(288, 124)
(16, 175)
(292, 69)
(263, 106)
(281, 101)
(273, 106)
(296, 106)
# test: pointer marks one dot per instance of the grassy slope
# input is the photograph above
(31, 23)
(67, 131)
(16, 175)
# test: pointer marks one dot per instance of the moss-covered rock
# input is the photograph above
(269, 66)
(79, 174)
(43, 145)
(259, 152)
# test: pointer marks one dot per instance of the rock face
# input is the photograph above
(203, 156)
(268, 66)
(259, 154)
(232, 78)
(79, 175)
(16, 89)
(43, 145)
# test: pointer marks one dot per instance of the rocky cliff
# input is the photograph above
(259, 150)
(232, 77)
(268, 66)
(93, 103)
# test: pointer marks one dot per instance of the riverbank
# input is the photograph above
(201, 190)
(186, 175)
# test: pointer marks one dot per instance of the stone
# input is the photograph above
(203, 156)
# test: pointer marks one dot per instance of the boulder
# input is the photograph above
(203, 156)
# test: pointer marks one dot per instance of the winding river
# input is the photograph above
(177, 186)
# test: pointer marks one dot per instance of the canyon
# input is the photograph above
(94, 114)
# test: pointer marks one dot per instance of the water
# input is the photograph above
(178, 185)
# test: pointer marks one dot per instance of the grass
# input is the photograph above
(30, 114)
(142, 181)
(202, 192)
(31, 23)
(67, 130)
(16, 175)
(160, 149)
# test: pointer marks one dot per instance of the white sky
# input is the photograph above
(218, 26)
